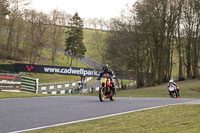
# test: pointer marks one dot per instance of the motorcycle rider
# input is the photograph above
(176, 87)
(110, 73)
(177, 90)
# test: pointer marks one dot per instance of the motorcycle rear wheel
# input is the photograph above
(101, 94)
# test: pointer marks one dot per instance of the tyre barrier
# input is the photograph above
(29, 84)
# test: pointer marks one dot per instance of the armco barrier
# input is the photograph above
(59, 87)
(29, 84)
(66, 91)
(71, 90)
(69, 87)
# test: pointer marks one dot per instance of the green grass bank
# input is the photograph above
(161, 120)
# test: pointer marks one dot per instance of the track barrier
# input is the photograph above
(18, 83)
(29, 84)
(10, 82)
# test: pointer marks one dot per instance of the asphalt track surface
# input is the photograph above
(21, 114)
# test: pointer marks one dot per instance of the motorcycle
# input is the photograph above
(105, 90)
(172, 91)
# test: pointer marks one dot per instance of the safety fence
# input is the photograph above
(60, 87)
(91, 88)
(72, 90)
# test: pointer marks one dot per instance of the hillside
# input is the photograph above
(61, 60)
(93, 40)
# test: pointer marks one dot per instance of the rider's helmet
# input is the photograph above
(105, 67)
(171, 81)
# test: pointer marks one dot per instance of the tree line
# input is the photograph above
(25, 33)
(154, 35)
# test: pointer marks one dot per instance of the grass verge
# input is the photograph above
(161, 120)
(20, 95)
(188, 89)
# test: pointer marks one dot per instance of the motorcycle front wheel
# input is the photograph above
(112, 96)
(172, 94)
(101, 94)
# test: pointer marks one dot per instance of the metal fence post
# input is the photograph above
(37, 85)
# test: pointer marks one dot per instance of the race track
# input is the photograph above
(27, 113)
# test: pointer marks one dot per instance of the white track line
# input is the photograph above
(72, 122)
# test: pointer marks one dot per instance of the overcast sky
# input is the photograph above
(86, 8)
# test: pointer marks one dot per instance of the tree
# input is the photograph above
(191, 23)
(36, 34)
(143, 40)
(74, 41)
(98, 41)
(3, 11)
(16, 9)
(4, 4)
(57, 31)
(179, 41)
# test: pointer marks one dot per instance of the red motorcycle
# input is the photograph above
(106, 91)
